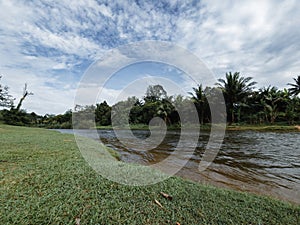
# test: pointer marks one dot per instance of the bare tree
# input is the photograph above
(25, 94)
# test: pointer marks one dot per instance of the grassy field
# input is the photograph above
(45, 180)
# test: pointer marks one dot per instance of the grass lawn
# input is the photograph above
(45, 180)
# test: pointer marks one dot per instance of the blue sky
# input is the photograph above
(143, 69)
(50, 44)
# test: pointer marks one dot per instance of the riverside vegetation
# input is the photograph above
(245, 106)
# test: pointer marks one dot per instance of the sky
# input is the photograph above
(50, 44)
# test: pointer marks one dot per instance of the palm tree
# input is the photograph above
(164, 109)
(270, 100)
(295, 89)
(199, 99)
(235, 89)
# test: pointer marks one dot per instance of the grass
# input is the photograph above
(260, 127)
(287, 128)
(45, 180)
(132, 127)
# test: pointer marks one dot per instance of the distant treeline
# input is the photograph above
(244, 105)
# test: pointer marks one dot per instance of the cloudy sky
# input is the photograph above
(50, 44)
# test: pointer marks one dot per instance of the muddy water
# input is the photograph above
(266, 163)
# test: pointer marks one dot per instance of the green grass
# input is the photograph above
(132, 126)
(287, 128)
(45, 180)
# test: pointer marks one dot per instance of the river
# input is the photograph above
(266, 163)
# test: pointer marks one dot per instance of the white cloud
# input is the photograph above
(105, 11)
(46, 99)
(238, 36)
(46, 43)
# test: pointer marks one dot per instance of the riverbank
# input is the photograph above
(262, 127)
(44, 179)
(283, 128)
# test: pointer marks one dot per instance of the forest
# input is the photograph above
(245, 104)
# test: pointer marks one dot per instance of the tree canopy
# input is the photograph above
(236, 89)
(295, 89)
(6, 100)
(244, 105)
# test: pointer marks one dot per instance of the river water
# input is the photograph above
(266, 163)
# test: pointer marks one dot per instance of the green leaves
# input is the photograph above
(295, 89)
(6, 100)
(235, 89)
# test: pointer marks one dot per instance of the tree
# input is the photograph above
(235, 89)
(295, 89)
(83, 117)
(157, 103)
(25, 94)
(120, 112)
(136, 112)
(270, 98)
(6, 100)
(155, 92)
(103, 114)
(18, 118)
(165, 109)
(292, 109)
(199, 99)
(182, 113)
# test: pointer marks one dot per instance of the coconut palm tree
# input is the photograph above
(199, 99)
(295, 89)
(235, 89)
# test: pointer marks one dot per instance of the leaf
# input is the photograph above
(158, 203)
(166, 196)
(77, 221)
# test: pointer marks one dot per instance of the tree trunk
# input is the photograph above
(21, 101)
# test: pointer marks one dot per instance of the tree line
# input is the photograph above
(245, 104)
